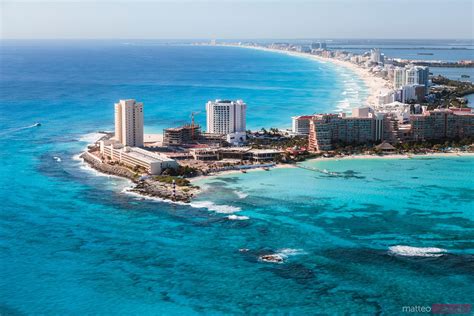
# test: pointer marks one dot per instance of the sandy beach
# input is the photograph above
(361, 157)
(374, 84)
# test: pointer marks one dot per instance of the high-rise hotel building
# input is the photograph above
(129, 123)
(226, 117)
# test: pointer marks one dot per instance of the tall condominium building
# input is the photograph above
(300, 124)
(129, 123)
(376, 56)
(413, 92)
(411, 75)
(225, 117)
(417, 75)
(399, 75)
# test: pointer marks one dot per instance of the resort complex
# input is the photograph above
(404, 109)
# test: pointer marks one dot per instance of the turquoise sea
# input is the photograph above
(73, 242)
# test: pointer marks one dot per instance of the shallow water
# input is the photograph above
(73, 243)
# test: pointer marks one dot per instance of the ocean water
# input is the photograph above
(443, 50)
(73, 242)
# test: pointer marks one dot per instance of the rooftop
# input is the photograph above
(145, 155)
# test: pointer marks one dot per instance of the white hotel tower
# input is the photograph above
(129, 123)
(226, 117)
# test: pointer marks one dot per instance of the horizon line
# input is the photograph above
(240, 39)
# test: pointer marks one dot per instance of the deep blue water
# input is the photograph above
(73, 243)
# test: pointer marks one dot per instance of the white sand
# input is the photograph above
(374, 84)
(390, 156)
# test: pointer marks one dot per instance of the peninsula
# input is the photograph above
(407, 113)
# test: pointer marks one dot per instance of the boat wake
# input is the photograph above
(408, 251)
(17, 129)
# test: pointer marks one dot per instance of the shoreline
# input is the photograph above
(374, 85)
(143, 186)
(216, 175)
(161, 192)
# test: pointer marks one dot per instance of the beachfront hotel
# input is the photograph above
(328, 129)
(129, 123)
(442, 124)
(134, 157)
(392, 123)
(225, 116)
(300, 124)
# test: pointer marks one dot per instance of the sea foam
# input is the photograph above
(211, 206)
(91, 137)
(408, 251)
(233, 217)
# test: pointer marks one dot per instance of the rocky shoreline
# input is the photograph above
(147, 187)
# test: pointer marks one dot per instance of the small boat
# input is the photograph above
(37, 124)
(465, 76)
(243, 171)
(266, 168)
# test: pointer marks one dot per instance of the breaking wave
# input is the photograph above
(211, 206)
(408, 251)
(241, 195)
(233, 217)
(91, 137)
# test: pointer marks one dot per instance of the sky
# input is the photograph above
(236, 19)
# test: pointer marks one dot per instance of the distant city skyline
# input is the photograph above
(183, 19)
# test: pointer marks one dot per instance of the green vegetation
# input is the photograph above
(279, 141)
(185, 171)
(169, 179)
(435, 145)
(405, 147)
(450, 95)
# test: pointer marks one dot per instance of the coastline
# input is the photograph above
(216, 175)
(373, 84)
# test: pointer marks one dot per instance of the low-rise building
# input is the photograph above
(235, 153)
(236, 138)
(132, 157)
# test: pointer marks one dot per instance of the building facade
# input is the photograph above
(132, 157)
(413, 92)
(300, 124)
(417, 75)
(225, 116)
(442, 124)
(329, 129)
(129, 123)
(181, 135)
(399, 75)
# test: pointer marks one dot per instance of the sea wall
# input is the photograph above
(98, 165)
(147, 187)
